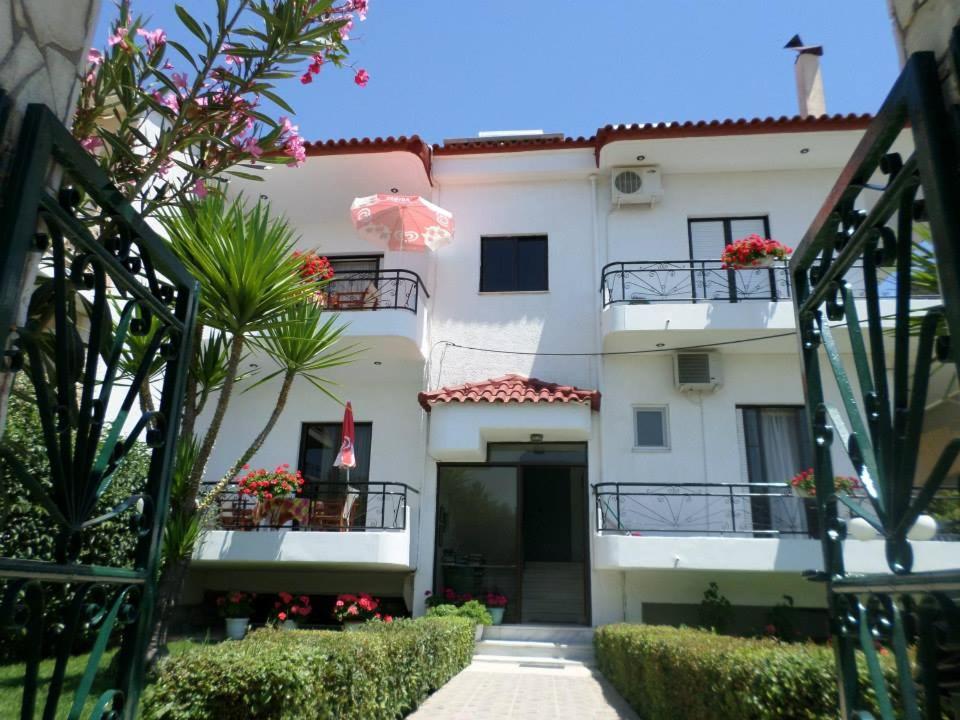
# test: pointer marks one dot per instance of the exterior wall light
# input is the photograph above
(804, 151)
(536, 437)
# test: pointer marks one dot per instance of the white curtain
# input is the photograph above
(781, 431)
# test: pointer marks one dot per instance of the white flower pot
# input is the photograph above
(237, 627)
(289, 624)
(496, 614)
(801, 493)
(352, 625)
(925, 528)
(478, 633)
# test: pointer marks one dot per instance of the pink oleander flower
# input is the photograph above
(345, 30)
(361, 6)
(168, 100)
(306, 78)
(180, 80)
(362, 77)
(91, 143)
(167, 66)
(119, 37)
(94, 57)
(154, 38)
(200, 189)
(250, 146)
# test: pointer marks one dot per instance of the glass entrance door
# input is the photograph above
(517, 529)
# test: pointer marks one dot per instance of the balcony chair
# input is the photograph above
(336, 513)
(366, 299)
(236, 515)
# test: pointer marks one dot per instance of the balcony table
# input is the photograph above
(280, 511)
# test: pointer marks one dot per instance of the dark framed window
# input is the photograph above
(348, 264)
(515, 263)
(709, 236)
(319, 445)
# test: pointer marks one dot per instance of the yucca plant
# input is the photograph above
(243, 258)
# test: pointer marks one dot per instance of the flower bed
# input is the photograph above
(382, 671)
(669, 673)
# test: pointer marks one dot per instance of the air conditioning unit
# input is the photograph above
(636, 185)
(697, 371)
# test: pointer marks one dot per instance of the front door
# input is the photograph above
(517, 528)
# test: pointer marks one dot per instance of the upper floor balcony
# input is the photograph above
(760, 527)
(356, 525)
(671, 296)
(383, 307)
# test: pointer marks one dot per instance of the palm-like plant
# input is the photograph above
(249, 278)
(303, 344)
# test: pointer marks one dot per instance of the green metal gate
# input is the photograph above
(105, 277)
(897, 217)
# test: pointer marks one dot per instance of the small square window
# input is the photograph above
(513, 264)
(650, 428)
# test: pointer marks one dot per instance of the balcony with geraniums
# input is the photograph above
(269, 516)
(747, 288)
(385, 307)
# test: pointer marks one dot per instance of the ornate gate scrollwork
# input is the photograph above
(880, 357)
(105, 280)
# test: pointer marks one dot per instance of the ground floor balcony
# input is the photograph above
(739, 527)
(331, 525)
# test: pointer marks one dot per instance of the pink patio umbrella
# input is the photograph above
(346, 458)
(402, 222)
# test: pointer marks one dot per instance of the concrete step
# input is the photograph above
(500, 663)
(570, 634)
(511, 649)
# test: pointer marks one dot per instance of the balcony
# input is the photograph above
(360, 525)
(667, 297)
(738, 527)
(385, 307)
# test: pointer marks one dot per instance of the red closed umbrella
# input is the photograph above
(346, 458)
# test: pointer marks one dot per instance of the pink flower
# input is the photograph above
(154, 38)
(361, 8)
(362, 77)
(345, 30)
(306, 78)
(200, 189)
(91, 143)
(250, 146)
(94, 57)
(281, 616)
(168, 100)
(119, 37)
(167, 65)
(228, 58)
(180, 80)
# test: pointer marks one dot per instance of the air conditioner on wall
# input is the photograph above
(697, 371)
(636, 185)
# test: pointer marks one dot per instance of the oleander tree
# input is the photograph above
(170, 117)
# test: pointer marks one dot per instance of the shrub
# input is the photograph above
(669, 673)
(382, 671)
(473, 610)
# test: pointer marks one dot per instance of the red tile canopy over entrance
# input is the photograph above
(508, 389)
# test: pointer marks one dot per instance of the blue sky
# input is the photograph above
(449, 68)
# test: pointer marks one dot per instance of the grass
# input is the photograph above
(11, 683)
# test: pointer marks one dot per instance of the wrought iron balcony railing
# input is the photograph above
(733, 509)
(374, 290)
(320, 507)
(699, 281)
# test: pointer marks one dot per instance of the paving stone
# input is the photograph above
(488, 691)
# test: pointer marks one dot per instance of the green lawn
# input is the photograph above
(11, 684)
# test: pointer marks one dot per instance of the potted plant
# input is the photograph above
(235, 609)
(496, 606)
(754, 251)
(804, 484)
(287, 609)
(265, 485)
(354, 610)
(472, 610)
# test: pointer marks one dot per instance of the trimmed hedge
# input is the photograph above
(669, 673)
(382, 671)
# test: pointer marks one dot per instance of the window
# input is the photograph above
(513, 264)
(650, 428)
(708, 237)
(349, 264)
(319, 445)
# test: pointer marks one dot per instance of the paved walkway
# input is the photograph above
(495, 691)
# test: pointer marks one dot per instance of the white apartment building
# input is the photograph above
(572, 403)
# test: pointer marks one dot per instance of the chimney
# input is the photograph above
(810, 98)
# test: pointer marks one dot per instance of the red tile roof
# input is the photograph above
(510, 388)
(355, 146)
